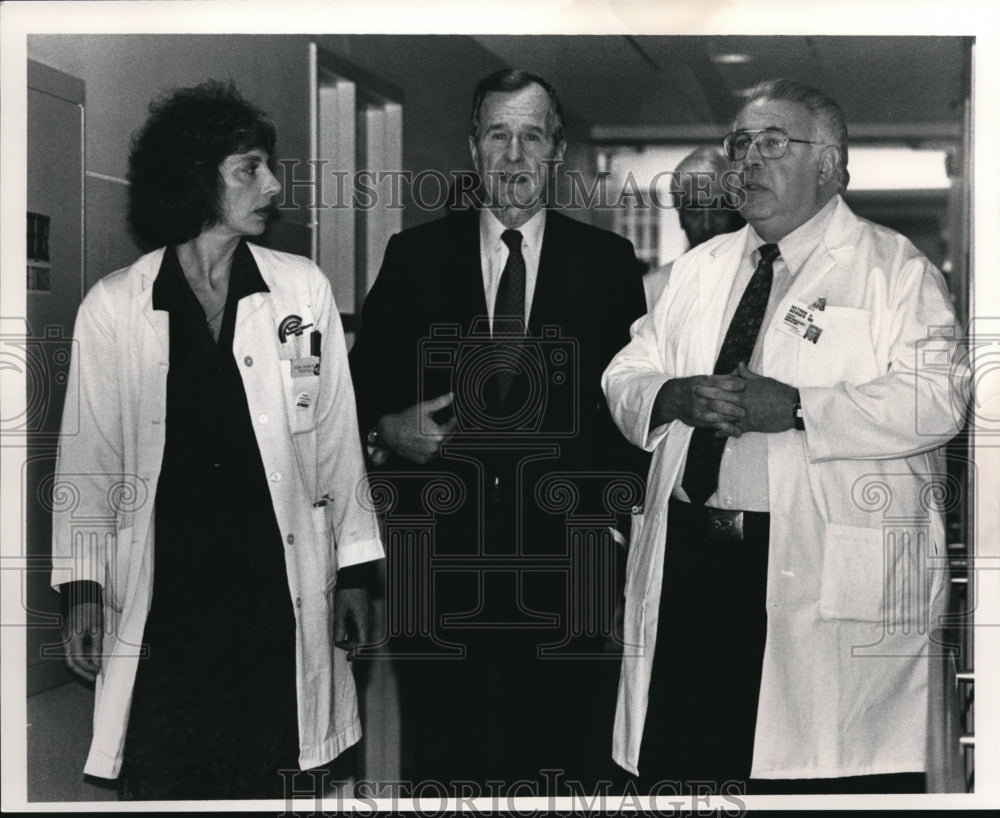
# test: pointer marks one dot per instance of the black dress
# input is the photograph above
(214, 704)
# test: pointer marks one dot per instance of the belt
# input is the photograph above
(719, 523)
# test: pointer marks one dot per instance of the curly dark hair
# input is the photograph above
(173, 167)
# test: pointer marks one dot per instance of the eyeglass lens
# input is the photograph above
(771, 144)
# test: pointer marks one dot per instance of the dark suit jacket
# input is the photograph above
(509, 484)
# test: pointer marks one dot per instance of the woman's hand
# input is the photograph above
(351, 619)
(83, 633)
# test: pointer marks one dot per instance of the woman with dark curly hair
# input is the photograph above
(216, 420)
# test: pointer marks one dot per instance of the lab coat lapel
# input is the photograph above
(836, 244)
(250, 304)
(157, 322)
(715, 280)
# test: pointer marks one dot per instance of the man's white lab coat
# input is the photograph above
(856, 574)
(110, 455)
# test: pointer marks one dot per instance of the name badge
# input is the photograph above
(302, 367)
(803, 321)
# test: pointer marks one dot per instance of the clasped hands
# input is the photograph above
(732, 404)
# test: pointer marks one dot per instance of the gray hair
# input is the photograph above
(514, 79)
(827, 113)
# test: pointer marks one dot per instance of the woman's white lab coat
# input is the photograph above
(856, 570)
(109, 462)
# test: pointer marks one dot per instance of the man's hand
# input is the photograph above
(769, 404)
(351, 618)
(701, 400)
(414, 434)
(83, 634)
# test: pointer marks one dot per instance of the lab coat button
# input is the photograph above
(298, 602)
(248, 360)
(275, 476)
(262, 417)
(290, 539)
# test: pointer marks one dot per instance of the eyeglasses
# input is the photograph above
(771, 143)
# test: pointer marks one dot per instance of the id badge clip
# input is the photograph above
(303, 367)
(805, 321)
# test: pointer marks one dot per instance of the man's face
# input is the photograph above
(783, 193)
(703, 223)
(514, 143)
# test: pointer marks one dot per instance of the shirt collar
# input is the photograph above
(491, 228)
(796, 246)
(169, 286)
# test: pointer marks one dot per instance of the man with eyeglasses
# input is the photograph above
(786, 577)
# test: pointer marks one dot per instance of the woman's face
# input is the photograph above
(247, 189)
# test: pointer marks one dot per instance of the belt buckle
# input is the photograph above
(724, 524)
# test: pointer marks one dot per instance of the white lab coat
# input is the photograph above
(856, 575)
(109, 462)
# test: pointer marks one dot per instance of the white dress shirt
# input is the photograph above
(493, 256)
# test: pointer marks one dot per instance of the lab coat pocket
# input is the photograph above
(325, 551)
(854, 573)
(843, 351)
(117, 571)
(302, 397)
(635, 532)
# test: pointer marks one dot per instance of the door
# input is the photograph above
(55, 279)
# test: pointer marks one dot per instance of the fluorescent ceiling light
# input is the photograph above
(732, 58)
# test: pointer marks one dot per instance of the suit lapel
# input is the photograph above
(464, 270)
(551, 266)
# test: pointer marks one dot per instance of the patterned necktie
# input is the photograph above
(508, 312)
(701, 475)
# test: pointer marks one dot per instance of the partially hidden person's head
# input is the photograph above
(516, 133)
(702, 186)
(200, 162)
(790, 143)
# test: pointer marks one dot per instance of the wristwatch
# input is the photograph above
(797, 418)
(375, 447)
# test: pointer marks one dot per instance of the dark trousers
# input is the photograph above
(706, 670)
(708, 654)
(502, 713)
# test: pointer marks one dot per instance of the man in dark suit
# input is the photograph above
(477, 371)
